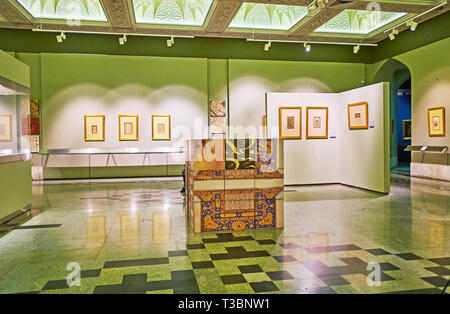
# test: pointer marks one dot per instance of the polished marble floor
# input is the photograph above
(130, 236)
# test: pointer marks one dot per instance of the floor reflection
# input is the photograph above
(132, 236)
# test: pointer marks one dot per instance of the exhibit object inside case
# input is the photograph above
(234, 184)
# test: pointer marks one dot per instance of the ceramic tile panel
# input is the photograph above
(269, 183)
(208, 185)
(268, 163)
(239, 201)
(240, 174)
(210, 156)
(239, 184)
(240, 154)
(218, 125)
(217, 108)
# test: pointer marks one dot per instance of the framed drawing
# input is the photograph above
(5, 128)
(94, 128)
(316, 122)
(357, 116)
(161, 127)
(406, 127)
(290, 122)
(128, 127)
(436, 121)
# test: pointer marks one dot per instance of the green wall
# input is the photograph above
(15, 187)
(430, 87)
(217, 67)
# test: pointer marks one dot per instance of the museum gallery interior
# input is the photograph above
(224, 146)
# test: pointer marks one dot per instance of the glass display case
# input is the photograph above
(18, 126)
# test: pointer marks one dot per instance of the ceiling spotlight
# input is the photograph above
(60, 37)
(123, 39)
(170, 41)
(413, 25)
(395, 31)
(267, 46)
(307, 47)
(391, 36)
(356, 49)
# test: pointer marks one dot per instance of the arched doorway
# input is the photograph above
(399, 77)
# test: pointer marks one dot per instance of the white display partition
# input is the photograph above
(311, 161)
(352, 157)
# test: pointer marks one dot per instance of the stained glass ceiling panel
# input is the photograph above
(87, 10)
(359, 21)
(268, 16)
(173, 12)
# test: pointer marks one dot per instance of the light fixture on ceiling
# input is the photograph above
(392, 35)
(170, 41)
(123, 40)
(61, 37)
(412, 24)
(356, 49)
(267, 46)
(307, 47)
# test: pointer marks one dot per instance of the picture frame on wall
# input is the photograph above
(316, 122)
(358, 117)
(161, 128)
(94, 128)
(5, 128)
(436, 121)
(128, 127)
(290, 122)
(406, 130)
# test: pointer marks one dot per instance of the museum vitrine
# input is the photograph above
(18, 128)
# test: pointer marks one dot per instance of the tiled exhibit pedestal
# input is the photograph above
(234, 184)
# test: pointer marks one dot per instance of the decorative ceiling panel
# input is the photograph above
(350, 21)
(268, 16)
(359, 21)
(172, 12)
(87, 10)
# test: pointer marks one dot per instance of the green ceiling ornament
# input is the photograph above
(87, 10)
(359, 21)
(267, 16)
(172, 12)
